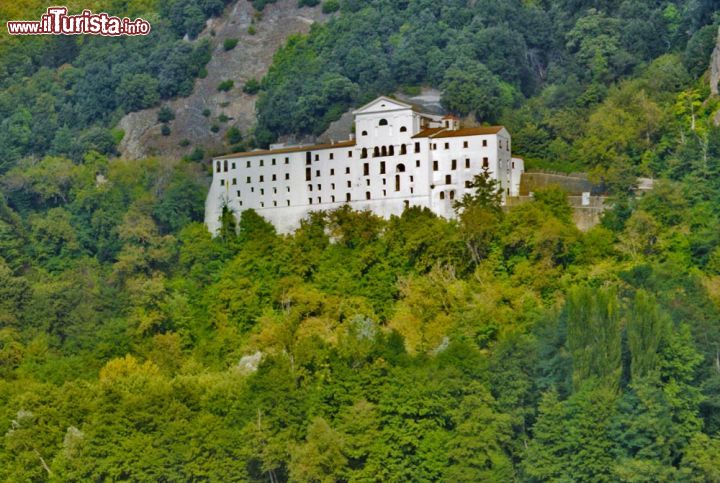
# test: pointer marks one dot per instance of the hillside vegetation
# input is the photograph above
(502, 346)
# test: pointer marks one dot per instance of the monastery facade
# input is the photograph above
(400, 158)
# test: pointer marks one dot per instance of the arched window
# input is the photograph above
(400, 168)
(367, 195)
(225, 166)
(363, 154)
(403, 129)
(376, 152)
(391, 150)
(218, 167)
(452, 195)
(383, 122)
(384, 151)
(403, 149)
(442, 195)
(364, 133)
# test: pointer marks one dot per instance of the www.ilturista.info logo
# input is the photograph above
(56, 21)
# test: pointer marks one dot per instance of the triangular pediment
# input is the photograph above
(382, 104)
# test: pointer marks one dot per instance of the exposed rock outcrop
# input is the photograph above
(715, 67)
(250, 59)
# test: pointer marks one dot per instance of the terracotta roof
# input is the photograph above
(292, 149)
(441, 132)
(427, 132)
(450, 116)
(470, 131)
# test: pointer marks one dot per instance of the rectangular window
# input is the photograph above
(467, 164)
(417, 147)
(262, 163)
(367, 182)
(484, 143)
(448, 179)
(319, 200)
(317, 173)
(332, 199)
(435, 165)
(287, 160)
(332, 186)
(317, 157)
(367, 195)
(273, 163)
(349, 154)
(349, 184)
(308, 157)
(222, 182)
(332, 155)
(332, 172)
(417, 163)
(347, 197)
(288, 202)
(248, 164)
(319, 187)
(238, 193)
(486, 163)
(347, 170)
(308, 174)
(233, 165)
(234, 181)
(274, 178)
(262, 179)
(468, 184)
(248, 180)
(382, 167)
(447, 145)
(366, 169)
(287, 176)
(453, 164)
(465, 144)
(275, 190)
(309, 201)
(262, 191)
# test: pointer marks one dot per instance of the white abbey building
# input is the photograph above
(401, 158)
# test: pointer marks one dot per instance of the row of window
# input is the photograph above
(224, 165)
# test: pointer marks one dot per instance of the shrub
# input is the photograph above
(197, 154)
(233, 135)
(206, 112)
(165, 130)
(331, 6)
(226, 85)
(251, 30)
(223, 118)
(229, 44)
(165, 114)
(184, 143)
(252, 86)
(215, 128)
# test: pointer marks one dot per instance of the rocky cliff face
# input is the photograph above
(250, 59)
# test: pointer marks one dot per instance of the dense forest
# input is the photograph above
(505, 345)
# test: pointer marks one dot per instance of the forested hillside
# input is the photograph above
(502, 346)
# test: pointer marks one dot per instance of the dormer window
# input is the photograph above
(383, 122)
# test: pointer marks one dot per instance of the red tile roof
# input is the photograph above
(438, 132)
(292, 149)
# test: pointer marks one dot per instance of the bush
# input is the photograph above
(165, 114)
(230, 44)
(252, 87)
(251, 30)
(165, 130)
(308, 3)
(184, 143)
(215, 128)
(223, 118)
(197, 154)
(233, 135)
(226, 85)
(331, 6)
(138, 91)
(206, 112)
